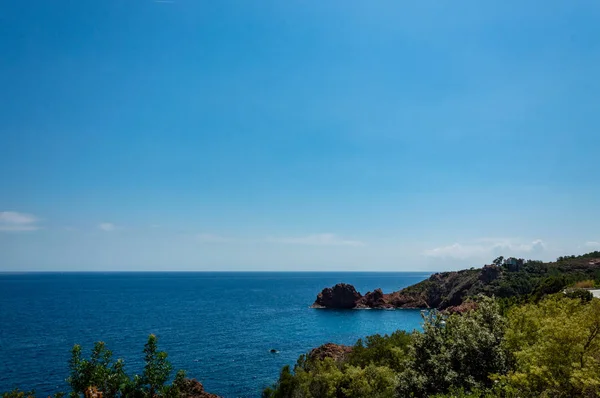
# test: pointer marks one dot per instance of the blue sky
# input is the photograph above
(287, 135)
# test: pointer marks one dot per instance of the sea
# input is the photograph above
(219, 327)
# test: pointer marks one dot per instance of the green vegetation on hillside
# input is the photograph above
(529, 332)
(550, 348)
(528, 280)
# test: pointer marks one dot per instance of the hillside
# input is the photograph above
(510, 278)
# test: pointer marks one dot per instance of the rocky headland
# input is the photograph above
(451, 290)
(438, 291)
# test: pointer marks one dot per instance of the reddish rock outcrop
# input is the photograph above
(342, 296)
(375, 299)
(462, 308)
(330, 350)
(407, 300)
(192, 388)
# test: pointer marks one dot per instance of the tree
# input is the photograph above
(108, 377)
(457, 351)
(550, 285)
(555, 348)
(389, 351)
(369, 382)
(369, 370)
(99, 371)
(179, 387)
(498, 261)
(285, 387)
(581, 294)
(157, 368)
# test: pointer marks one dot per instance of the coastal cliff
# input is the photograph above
(438, 291)
(449, 290)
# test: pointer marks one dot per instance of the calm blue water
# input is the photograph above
(218, 326)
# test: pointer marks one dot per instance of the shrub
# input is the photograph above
(587, 284)
(459, 351)
(371, 381)
(581, 294)
(108, 378)
(555, 348)
(99, 371)
(385, 350)
(16, 393)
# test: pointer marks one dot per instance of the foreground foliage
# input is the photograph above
(108, 376)
(455, 352)
(103, 377)
(546, 349)
(555, 348)
(16, 393)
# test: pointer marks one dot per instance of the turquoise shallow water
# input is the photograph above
(218, 326)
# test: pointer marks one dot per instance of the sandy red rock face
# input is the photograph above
(462, 308)
(336, 352)
(192, 388)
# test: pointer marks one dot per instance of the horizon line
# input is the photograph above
(202, 271)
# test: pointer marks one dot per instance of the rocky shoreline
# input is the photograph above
(345, 296)
(445, 291)
(454, 291)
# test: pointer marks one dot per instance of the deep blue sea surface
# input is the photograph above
(220, 327)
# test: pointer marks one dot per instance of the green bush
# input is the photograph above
(102, 373)
(555, 348)
(109, 377)
(389, 351)
(16, 393)
(458, 351)
(370, 370)
(581, 294)
(99, 371)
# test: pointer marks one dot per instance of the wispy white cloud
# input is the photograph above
(316, 240)
(212, 238)
(592, 245)
(325, 239)
(107, 226)
(14, 221)
(457, 250)
(487, 247)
